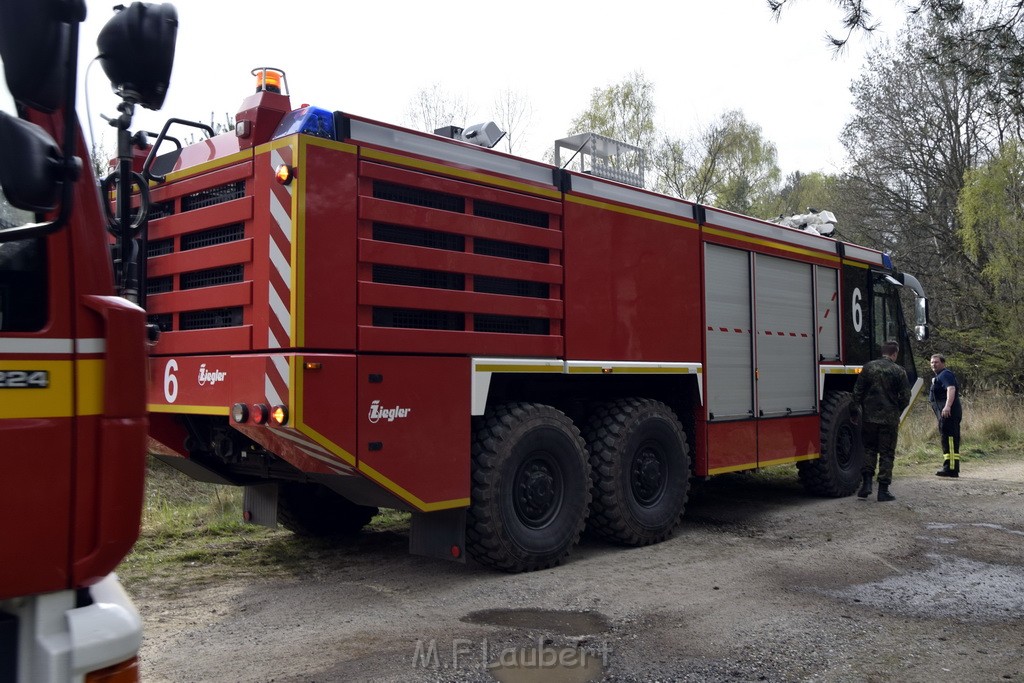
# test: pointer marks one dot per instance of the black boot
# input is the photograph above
(883, 493)
(946, 471)
(865, 487)
(955, 470)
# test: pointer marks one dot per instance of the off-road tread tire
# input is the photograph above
(495, 536)
(825, 476)
(608, 434)
(309, 509)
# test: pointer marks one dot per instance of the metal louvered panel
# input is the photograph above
(730, 371)
(787, 373)
(457, 237)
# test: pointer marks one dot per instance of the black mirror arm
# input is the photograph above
(147, 167)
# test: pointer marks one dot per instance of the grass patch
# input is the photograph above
(193, 532)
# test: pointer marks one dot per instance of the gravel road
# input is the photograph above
(759, 583)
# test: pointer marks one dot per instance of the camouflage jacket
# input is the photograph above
(882, 392)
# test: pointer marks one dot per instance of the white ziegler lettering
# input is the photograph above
(390, 414)
(211, 376)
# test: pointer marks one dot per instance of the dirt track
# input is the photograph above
(760, 583)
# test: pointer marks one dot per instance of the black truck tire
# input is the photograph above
(639, 469)
(315, 510)
(837, 472)
(530, 488)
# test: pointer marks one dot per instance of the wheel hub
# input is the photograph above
(647, 476)
(537, 493)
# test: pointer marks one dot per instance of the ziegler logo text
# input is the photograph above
(211, 376)
(390, 414)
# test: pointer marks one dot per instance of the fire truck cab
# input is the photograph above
(72, 364)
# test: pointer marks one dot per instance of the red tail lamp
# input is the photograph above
(260, 414)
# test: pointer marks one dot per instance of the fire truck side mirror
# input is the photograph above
(137, 52)
(35, 39)
(31, 166)
(921, 318)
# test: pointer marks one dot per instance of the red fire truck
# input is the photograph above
(72, 363)
(356, 315)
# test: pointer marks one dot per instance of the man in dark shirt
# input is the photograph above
(945, 400)
(879, 397)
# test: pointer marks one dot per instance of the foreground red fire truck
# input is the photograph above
(72, 363)
(355, 315)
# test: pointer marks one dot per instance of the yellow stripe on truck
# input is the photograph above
(53, 400)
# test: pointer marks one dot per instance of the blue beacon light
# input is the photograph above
(307, 121)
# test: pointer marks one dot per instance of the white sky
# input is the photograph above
(370, 58)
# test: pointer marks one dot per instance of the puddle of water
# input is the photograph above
(545, 661)
(549, 664)
(549, 621)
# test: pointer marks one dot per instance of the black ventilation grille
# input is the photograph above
(209, 319)
(500, 285)
(512, 214)
(421, 320)
(211, 277)
(507, 324)
(382, 232)
(163, 321)
(416, 277)
(160, 247)
(419, 197)
(213, 236)
(160, 210)
(212, 196)
(519, 252)
(159, 285)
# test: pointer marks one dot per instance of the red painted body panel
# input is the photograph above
(732, 446)
(632, 287)
(195, 381)
(785, 438)
(35, 508)
(414, 427)
(328, 286)
(328, 410)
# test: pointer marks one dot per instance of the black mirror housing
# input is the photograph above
(34, 38)
(31, 166)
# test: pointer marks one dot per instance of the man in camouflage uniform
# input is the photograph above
(879, 397)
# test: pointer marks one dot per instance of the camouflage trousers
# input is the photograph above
(879, 449)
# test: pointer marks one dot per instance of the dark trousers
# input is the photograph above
(879, 450)
(949, 428)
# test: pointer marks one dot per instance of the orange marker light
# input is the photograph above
(279, 415)
(284, 174)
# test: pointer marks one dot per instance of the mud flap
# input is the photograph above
(440, 535)
(259, 505)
